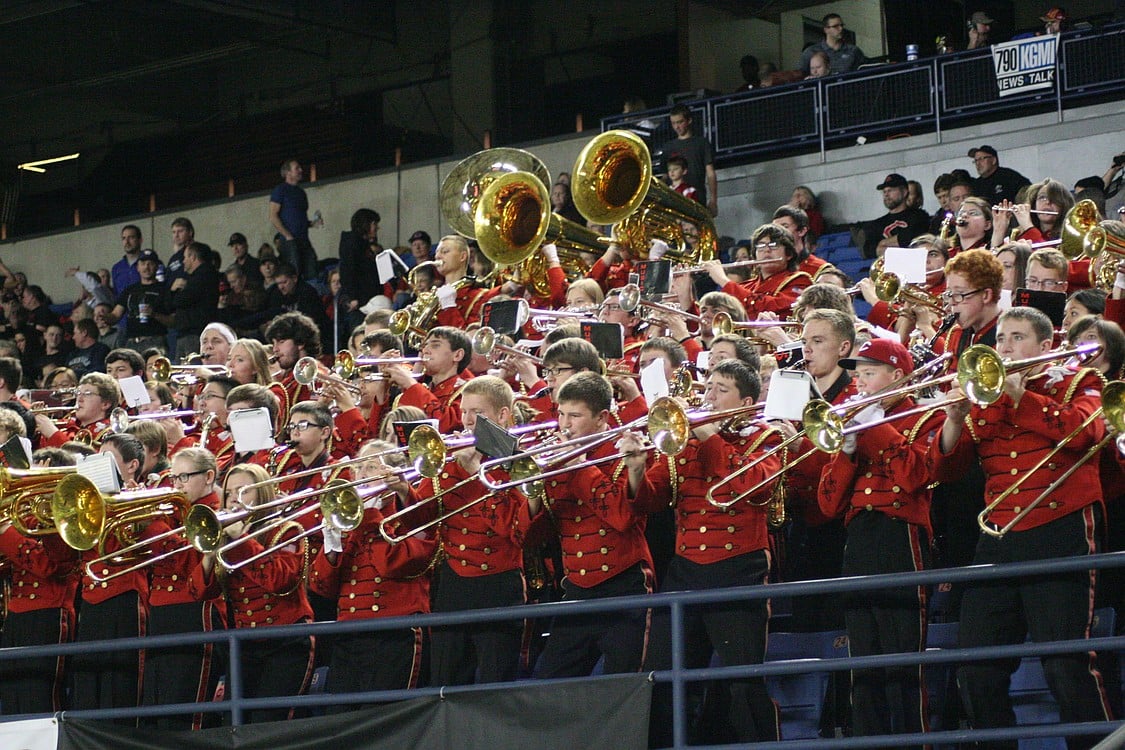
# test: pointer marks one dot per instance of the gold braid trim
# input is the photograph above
(275, 540)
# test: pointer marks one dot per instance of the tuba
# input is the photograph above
(462, 188)
(612, 183)
(1077, 223)
(26, 502)
(513, 219)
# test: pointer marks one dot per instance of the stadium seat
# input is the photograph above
(800, 697)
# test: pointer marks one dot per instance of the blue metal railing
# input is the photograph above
(922, 94)
(678, 676)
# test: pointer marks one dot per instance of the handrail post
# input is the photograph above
(234, 679)
(679, 690)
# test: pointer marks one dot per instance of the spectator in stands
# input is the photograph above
(146, 307)
(243, 260)
(899, 225)
(37, 304)
(421, 247)
(240, 298)
(89, 353)
(107, 332)
(1054, 20)
(677, 177)
(941, 192)
(958, 192)
(56, 349)
(195, 297)
(818, 65)
(94, 290)
(358, 248)
(748, 65)
(124, 272)
(980, 27)
(183, 234)
(842, 55)
(291, 294)
(268, 266)
(805, 199)
(797, 222)
(289, 214)
(914, 196)
(696, 150)
(562, 202)
(994, 183)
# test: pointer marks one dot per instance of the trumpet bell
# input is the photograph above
(79, 512)
(344, 366)
(462, 188)
(306, 370)
(483, 341)
(1113, 405)
(162, 369)
(1077, 223)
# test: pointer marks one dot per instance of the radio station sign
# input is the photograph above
(1026, 64)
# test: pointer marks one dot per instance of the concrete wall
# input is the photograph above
(1037, 146)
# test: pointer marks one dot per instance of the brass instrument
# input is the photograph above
(485, 344)
(25, 498)
(462, 188)
(86, 518)
(163, 371)
(612, 183)
(1030, 211)
(1112, 409)
(413, 323)
(1077, 223)
(630, 300)
(547, 320)
(722, 323)
(428, 450)
(1105, 247)
(119, 419)
(889, 289)
(725, 266)
(513, 219)
(307, 371)
(339, 504)
(946, 232)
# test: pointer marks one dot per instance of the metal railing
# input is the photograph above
(927, 94)
(236, 704)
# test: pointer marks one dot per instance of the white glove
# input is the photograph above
(447, 296)
(871, 413)
(332, 539)
(849, 444)
(551, 253)
(657, 249)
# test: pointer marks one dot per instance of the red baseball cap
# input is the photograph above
(882, 352)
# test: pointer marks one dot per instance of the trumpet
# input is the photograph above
(485, 344)
(631, 300)
(347, 365)
(119, 419)
(163, 371)
(722, 323)
(307, 371)
(1112, 409)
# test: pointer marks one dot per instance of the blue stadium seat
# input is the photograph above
(800, 697)
(941, 679)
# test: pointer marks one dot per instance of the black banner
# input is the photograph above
(611, 713)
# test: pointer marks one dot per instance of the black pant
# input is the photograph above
(576, 643)
(33, 686)
(182, 674)
(488, 652)
(737, 633)
(1049, 608)
(886, 622)
(299, 253)
(383, 660)
(276, 667)
(112, 679)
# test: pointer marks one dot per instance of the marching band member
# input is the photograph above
(612, 269)
(215, 342)
(156, 468)
(879, 484)
(584, 294)
(1037, 410)
(602, 537)
(715, 549)
(370, 577)
(117, 608)
(211, 421)
(483, 552)
(776, 285)
(445, 355)
(974, 226)
(184, 674)
(796, 221)
(97, 395)
(611, 312)
(461, 300)
(253, 396)
(39, 594)
(269, 592)
(293, 336)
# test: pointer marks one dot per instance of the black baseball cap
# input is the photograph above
(148, 254)
(420, 235)
(238, 238)
(892, 180)
(986, 149)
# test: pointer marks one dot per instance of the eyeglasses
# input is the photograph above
(183, 478)
(554, 372)
(956, 298)
(209, 396)
(85, 394)
(766, 246)
(1033, 282)
(970, 215)
(979, 159)
(301, 426)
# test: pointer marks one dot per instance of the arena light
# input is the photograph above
(37, 166)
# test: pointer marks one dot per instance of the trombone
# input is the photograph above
(722, 323)
(631, 300)
(1113, 409)
(119, 419)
